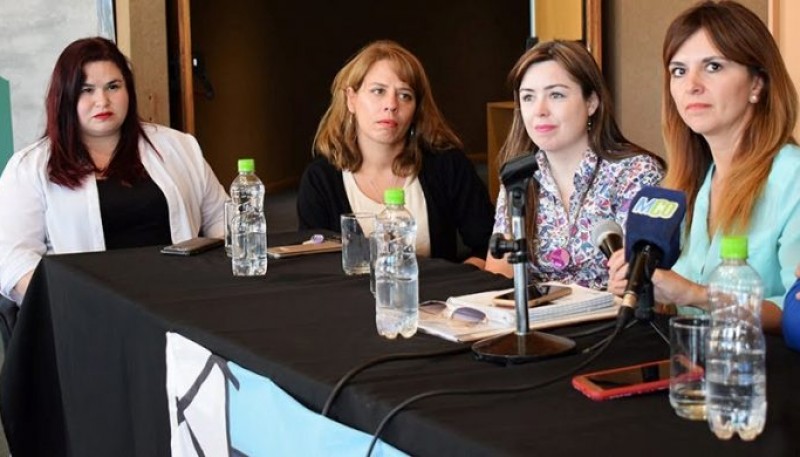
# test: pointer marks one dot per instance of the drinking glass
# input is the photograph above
(356, 228)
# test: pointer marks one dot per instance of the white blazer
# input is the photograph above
(39, 217)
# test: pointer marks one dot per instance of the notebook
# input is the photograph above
(582, 305)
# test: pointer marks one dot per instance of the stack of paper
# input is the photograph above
(583, 304)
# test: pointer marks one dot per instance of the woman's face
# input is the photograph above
(103, 101)
(554, 110)
(383, 107)
(712, 94)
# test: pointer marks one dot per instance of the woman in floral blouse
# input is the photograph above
(588, 172)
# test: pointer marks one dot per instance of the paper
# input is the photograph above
(583, 304)
(281, 252)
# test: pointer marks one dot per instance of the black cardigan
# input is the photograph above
(456, 198)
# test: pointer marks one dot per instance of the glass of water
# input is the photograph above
(356, 231)
(687, 342)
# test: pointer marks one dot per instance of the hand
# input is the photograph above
(670, 287)
(797, 273)
(476, 262)
(617, 271)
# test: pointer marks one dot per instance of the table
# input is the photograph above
(85, 371)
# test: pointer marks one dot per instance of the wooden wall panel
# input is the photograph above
(559, 19)
(142, 36)
(633, 33)
(788, 34)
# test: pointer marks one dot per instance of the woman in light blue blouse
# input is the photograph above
(729, 109)
(588, 172)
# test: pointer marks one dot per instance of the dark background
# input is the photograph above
(271, 65)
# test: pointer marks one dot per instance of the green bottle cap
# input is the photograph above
(247, 165)
(394, 197)
(733, 247)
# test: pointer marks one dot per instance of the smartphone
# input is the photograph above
(192, 246)
(537, 295)
(625, 381)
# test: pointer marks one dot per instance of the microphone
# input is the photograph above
(652, 239)
(518, 170)
(607, 237)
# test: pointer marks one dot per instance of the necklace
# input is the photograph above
(393, 183)
(559, 257)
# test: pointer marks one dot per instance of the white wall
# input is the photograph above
(32, 35)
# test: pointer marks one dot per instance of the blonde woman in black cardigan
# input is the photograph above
(383, 130)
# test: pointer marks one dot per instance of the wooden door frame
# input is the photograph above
(593, 29)
(184, 24)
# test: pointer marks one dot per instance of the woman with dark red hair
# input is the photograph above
(100, 178)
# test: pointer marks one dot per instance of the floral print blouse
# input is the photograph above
(565, 251)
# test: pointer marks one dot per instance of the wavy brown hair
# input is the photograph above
(605, 137)
(741, 37)
(336, 134)
(70, 162)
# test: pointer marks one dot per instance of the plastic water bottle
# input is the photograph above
(248, 227)
(396, 271)
(736, 379)
(246, 187)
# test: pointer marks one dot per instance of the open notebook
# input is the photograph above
(474, 317)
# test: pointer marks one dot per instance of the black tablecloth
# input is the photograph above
(85, 371)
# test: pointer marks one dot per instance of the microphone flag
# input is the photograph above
(654, 219)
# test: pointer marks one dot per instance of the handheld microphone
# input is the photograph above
(607, 237)
(653, 234)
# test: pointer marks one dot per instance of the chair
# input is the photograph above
(8, 318)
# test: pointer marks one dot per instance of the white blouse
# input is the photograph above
(415, 204)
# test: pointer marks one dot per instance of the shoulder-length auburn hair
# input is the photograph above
(605, 137)
(336, 134)
(741, 37)
(70, 162)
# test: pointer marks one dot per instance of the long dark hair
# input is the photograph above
(605, 137)
(70, 161)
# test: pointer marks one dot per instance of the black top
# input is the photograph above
(456, 198)
(133, 215)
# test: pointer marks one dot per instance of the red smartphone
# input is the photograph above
(625, 381)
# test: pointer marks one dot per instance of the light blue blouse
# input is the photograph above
(773, 237)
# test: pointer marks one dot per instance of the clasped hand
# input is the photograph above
(668, 287)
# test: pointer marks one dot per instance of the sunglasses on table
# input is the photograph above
(462, 316)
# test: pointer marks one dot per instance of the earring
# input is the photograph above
(412, 132)
(589, 125)
(754, 98)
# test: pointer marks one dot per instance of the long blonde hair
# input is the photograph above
(741, 37)
(336, 134)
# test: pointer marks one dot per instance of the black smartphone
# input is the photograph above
(192, 246)
(625, 381)
(538, 294)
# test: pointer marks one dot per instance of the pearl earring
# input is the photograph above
(754, 98)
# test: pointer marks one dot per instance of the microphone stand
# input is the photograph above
(524, 345)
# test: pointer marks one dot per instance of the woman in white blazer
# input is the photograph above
(100, 178)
